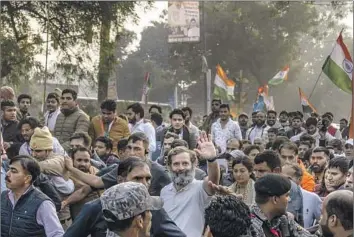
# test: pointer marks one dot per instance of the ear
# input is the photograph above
(28, 179)
(332, 221)
(275, 200)
(139, 221)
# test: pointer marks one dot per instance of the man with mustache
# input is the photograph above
(25, 210)
(70, 120)
(53, 110)
(81, 160)
(318, 163)
(349, 180)
(259, 129)
(185, 198)
(336, 174)
(269, 217)
(337, 214)
(24, 102)
(27, 127)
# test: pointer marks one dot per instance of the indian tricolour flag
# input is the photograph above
(223, 87)
(307, 107)
(280, 77)
(339, 66)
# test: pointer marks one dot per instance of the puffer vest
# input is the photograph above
(21, 220)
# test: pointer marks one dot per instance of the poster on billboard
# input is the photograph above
(183, 21)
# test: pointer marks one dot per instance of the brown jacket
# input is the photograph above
(118, 130)
(54, 165)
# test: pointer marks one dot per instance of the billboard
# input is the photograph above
(183, 21)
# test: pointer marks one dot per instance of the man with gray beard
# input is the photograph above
(186, 198)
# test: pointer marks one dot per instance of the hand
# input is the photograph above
(206, 149)
(6, 145)
(68, 163)
(290, 215)
(222, 190)
(207, 232)
(63, 204)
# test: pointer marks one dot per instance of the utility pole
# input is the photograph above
(204, 58)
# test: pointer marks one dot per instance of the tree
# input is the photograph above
(73, 27)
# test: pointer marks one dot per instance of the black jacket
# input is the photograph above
(48, 189)
(90, 222)
(11, 133)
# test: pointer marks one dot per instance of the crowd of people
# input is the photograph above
(130, 173)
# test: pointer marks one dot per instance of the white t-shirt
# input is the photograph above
(186, 207)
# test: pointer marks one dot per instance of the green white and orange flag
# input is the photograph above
(223, 86)
(307, 107)
(339, 66)
(280, 77)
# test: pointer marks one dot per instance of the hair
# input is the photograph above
(29, 164)
(311, 121)
(307, 138)
(7, 103)
(106, 141)
(304, 143)
(228, 216)
(184, 109)
(157, 118)
(127, 165)
(297, 117)
(272, 112)
(307, 155)
(344, 120)
(300, 114)
(342, 208)
(273, 130)
(169, 135)
(245, 141)
(322, 149)
(122, 144)
(53, 95)
(179, 150)
(336, 143)
(155, 107)
(248, 149)
(179, 112)
(271, 158)
(225, 106)
(216, 100)
(80, 149)
(298, 171)
(70, 91)
(137, 108)
(235, 139)
(179, 142)
(139, 136)
(340, 163)
(31, 121)
(245, 161)
(290, 146)
(328, 114)
(283, 112)
(82, 135)
(24, 96)
(109, 105)
(280, 140)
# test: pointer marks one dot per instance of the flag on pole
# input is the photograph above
(339, 66)
(280, 77)
(307, 107)
(146, 88)
(264, 102)
(223, 87)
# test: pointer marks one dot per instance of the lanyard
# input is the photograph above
(106, 132)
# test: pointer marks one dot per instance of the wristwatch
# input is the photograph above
(212, 160)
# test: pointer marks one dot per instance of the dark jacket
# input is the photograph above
(90, 222)
(44, 184)
(11, 133)
(21, 221)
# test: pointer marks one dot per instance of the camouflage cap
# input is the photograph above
(126, 200)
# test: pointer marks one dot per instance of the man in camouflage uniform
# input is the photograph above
(269, 217)
(126, 209)
(215, 107)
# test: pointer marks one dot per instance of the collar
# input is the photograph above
(256, 210)
(12, 196)
(67, 112)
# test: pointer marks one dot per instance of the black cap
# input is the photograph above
(272, 185)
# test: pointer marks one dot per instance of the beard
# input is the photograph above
(326, 232)
(182, 179)
(132, 121)
(317, 168)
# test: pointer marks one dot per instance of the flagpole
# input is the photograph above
(319, 76)
(351, 125)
